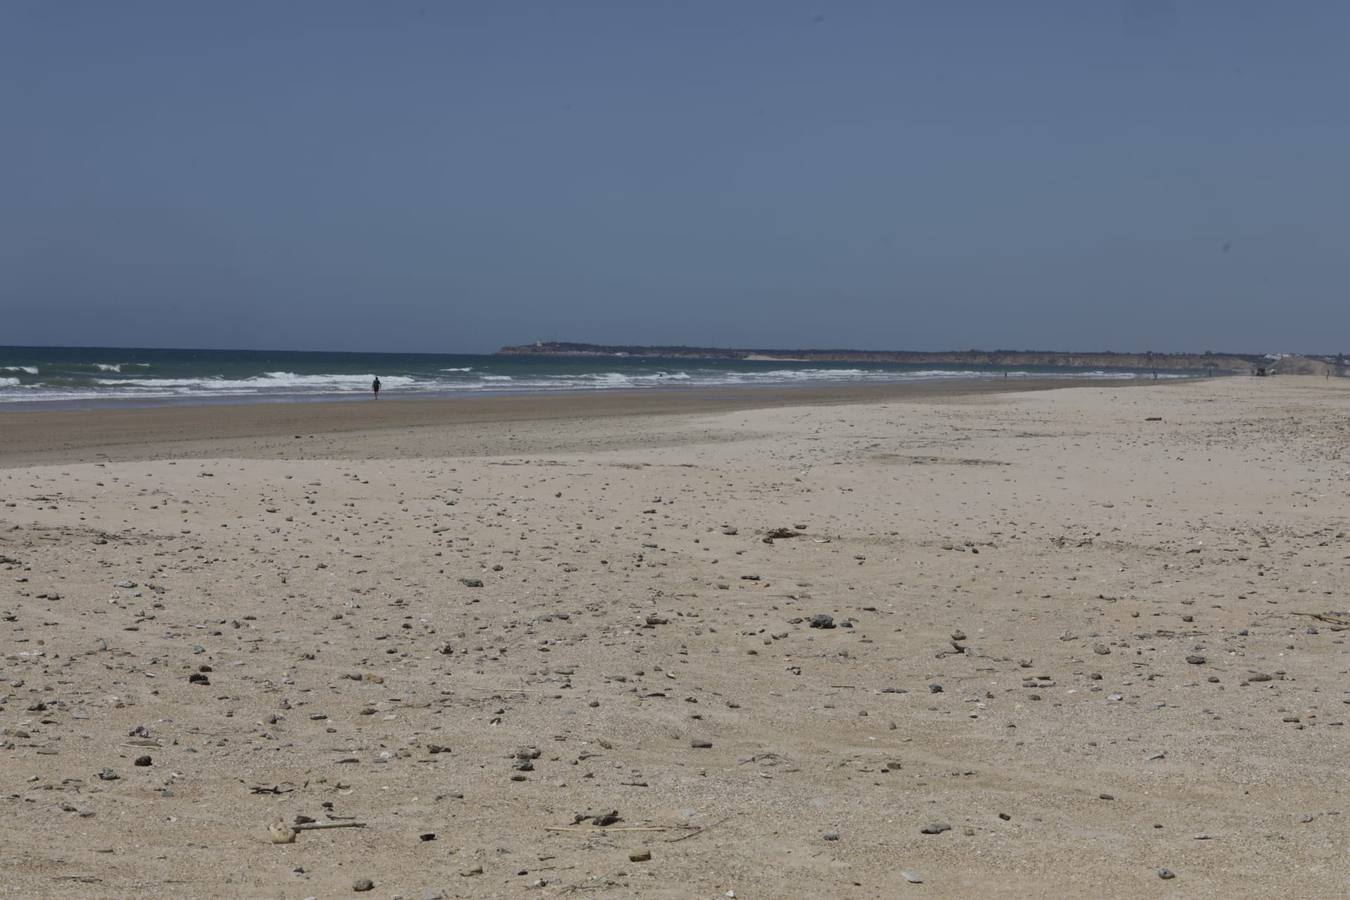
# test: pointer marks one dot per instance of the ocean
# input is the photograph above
(71, 376)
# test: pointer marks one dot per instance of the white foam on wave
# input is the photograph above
(31, 370)
(282, 384)
(464, 369)
(276, 382)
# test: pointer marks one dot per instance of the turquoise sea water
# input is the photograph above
(95, 376)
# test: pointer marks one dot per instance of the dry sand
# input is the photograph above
(1068, 632)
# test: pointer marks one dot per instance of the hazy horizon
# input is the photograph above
(401, 177)
(862, 349)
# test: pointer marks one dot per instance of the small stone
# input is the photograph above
(1101, 649)
(280, 833)
(935, 688)
(700, 745)
(469, 873)
(1195, 659)
(108, 775)
(820, 620)
(198, 678)
(143, 761)
(471, 582)
(639, 855)
(912, 877)
(935, 828)
(361, 885)
(1166, 874)
(831, 835)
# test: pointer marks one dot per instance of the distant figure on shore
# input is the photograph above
(375, 387)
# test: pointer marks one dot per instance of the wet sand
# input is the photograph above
(36, 434)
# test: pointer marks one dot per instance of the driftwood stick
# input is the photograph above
(1326, 617)
(602, 829)
(315, 826)
(685, 837)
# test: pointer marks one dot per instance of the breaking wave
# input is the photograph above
(114, 382)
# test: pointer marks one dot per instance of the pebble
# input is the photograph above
(143, 761)
(820, 620)
(831, 835)
(281, 833)
(912, 877)
(1166, 874)
(639, 855)
(361, 885)
(1195, 659)
(935, 688)
(935, 828)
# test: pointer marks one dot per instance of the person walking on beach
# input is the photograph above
(375, 387)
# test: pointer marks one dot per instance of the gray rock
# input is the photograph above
(831, 835)
(1166, 874)
(820, 620)
(935, 828)
(361, 885)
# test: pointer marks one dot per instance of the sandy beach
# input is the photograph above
(977, 640)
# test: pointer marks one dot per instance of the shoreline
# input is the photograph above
(43, 436)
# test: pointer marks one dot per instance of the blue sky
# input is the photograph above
(455, 176)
